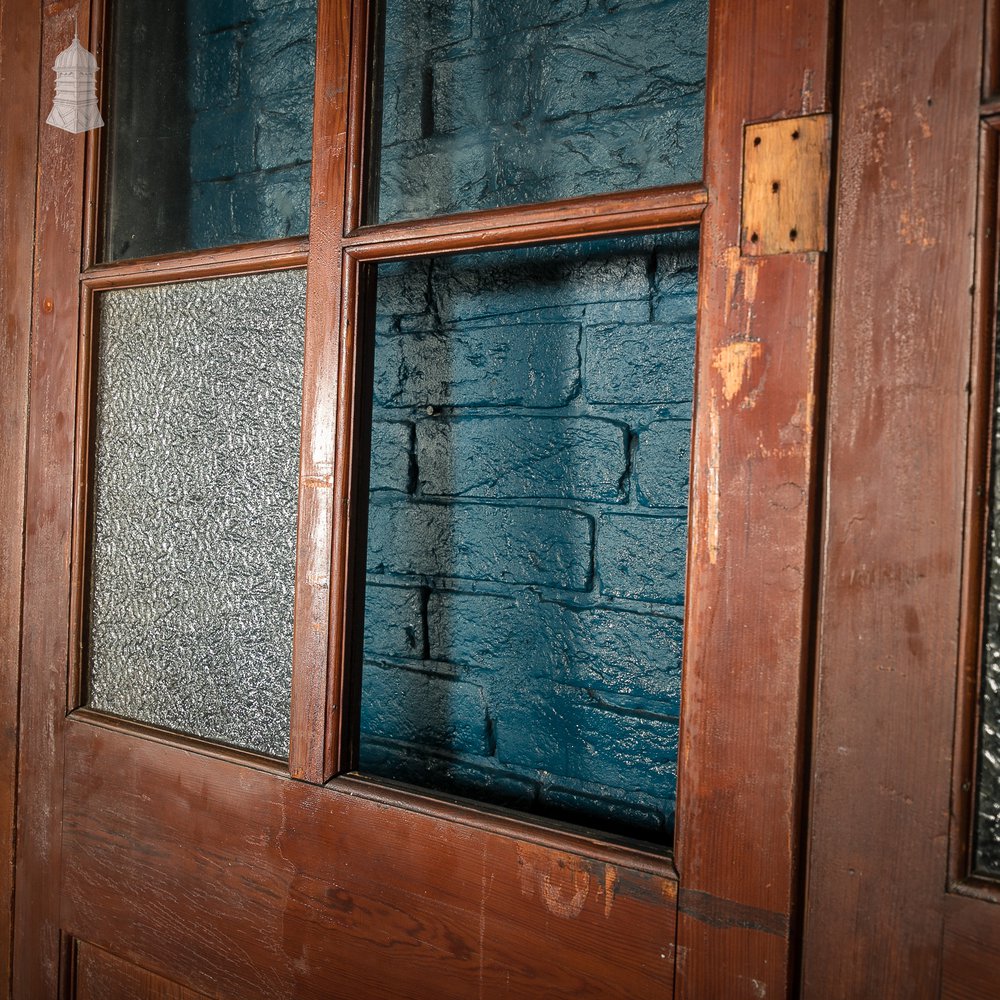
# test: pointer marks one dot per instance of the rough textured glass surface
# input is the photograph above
(987, 852)
(528, 527)
(199, 391)
(209, 123)
(493, 102)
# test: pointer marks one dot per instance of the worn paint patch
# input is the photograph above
(610, 877)
(560, 881)
(712, 526)
(733, 362)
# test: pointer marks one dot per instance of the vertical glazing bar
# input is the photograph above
(316, 657)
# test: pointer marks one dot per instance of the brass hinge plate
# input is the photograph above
(786, 186)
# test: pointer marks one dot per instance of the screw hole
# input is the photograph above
(756, 141)
(754, 237)
(793, 235)
(795, 134)
(775, 186)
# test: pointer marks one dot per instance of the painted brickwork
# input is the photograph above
(497, 102)
(527, 528)
(250, 87)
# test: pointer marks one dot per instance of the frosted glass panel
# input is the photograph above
(501, 102)
(198, 399)
(987, 848)
(527, 529)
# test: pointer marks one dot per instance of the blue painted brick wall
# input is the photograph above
(496, 102)
(527, 527)
(250, 85)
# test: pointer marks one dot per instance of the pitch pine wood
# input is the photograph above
(889, 638)
(752, 525)
(20, 45)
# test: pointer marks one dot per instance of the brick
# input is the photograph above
(417, 707)
(528, 365)
(280, 51)
(566, 283)
(215, 70)
(502, 18)
(662, 463)
(221, 144)
(616, 60)
(612, 809)
(533, 643)
(276, 203)
(283, 135)
(431, 177)
(394, 624)
(639, 364)
(540, 545)
(390, 455)
(675, 282)
(642, 557)
(504, 457)
(473, 777)
(206, 18)
(482, 88)
(565, 732)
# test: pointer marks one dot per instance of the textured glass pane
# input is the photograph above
(987, 853)
(528, 527)
(498, 103)
(199, 391)
(209, 131)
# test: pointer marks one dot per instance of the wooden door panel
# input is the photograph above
(99, 975)
(256, 885)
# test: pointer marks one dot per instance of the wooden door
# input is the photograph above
(154, 863)
(901, 898)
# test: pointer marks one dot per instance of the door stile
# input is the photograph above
(48, 538)
(317, 650)
(20, 42)
(896, 460)
(744, 735)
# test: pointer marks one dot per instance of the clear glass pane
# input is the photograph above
(498, 103)
(197, 415)
(209, 131)
(528, 527)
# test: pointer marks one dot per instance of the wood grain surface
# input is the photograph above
(752, 523)
(888, 644)
(20, 45)
(239, 883)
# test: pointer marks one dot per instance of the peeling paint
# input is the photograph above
(732, 361)
(712, 527)
(563, 883)
(610, 877)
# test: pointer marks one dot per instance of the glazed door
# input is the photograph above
(907, 686)
(421, 498)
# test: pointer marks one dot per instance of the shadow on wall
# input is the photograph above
(527, 527)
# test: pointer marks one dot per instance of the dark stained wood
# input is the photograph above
(20, 44)
(194, 264)
(99, 975)
(888, 643)
(752, 523)
(312, 893)
(971, 950)
(315, 729)
(48, 533)
(977, 491)
(601, 215)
